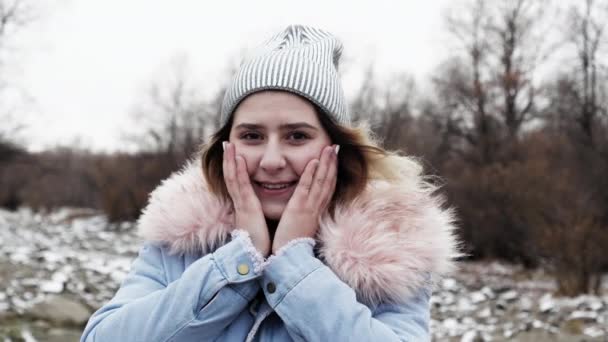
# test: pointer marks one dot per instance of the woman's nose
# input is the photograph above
(272, 159)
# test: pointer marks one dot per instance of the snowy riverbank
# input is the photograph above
(55, 269)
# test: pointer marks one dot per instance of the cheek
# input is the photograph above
(251, 157)
(302, 158)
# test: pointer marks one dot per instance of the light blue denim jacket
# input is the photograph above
(221, 296)
(197, 278)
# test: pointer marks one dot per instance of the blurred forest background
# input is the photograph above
(514, 121)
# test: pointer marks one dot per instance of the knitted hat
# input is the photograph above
(300, 59)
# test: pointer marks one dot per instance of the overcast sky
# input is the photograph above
(84, 64)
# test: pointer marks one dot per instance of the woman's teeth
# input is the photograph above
(275, 186)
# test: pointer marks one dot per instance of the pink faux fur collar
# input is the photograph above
(386, 245)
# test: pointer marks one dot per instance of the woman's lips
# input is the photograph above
(274, 192)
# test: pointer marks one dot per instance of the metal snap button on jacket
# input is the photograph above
(243, 269)
(271, 287)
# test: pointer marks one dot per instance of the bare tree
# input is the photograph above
(518, 51)
(588, 89)
(471, 91)
(388, 108)
(173, 115)
(489, 88)
(364, 103)
(14, 15)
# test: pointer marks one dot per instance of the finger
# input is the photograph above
(331, 181)
(242, 176)
(229, 169)
(305, 182)
(320, 174)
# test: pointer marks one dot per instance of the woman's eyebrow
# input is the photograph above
(283, 126)
(298, 125)
(249, 126)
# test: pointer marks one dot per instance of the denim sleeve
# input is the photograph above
(207, 297)
(316, 305)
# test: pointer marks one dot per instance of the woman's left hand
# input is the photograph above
(309, 200)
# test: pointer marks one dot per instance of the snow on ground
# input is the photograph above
(68, 250)
(76, 253)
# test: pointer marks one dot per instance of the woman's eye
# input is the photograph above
(298, 136)
(250, 136)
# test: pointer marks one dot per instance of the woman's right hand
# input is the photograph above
(248, 210)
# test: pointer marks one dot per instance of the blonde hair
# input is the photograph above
(390, 166)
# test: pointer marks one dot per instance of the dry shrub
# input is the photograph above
(569, 222)
(493, 202)
(47, 180)
(125, 180)
(59, 178)
(118, 184)
(546, 205)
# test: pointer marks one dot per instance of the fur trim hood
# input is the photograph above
(385, 245)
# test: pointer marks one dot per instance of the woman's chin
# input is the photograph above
(273, 212)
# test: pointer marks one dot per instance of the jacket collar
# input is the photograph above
(385, 245)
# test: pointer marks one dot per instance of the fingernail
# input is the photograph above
(337, 149)
(224, 143)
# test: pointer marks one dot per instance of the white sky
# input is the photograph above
(85, 63)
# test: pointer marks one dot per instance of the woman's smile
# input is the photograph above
(283, 189)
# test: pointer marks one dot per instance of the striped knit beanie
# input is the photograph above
(300, 59)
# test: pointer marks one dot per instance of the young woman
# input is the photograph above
(292, 225)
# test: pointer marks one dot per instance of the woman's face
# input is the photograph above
(277, 133)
